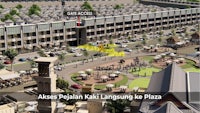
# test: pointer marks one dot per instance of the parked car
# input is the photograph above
(123, 45)
(7, 62)
(97, 54)
(51, 54)
(78, 54)
(128, 50)
(76, 86)
(22, 59)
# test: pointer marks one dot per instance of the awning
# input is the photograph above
(9, 76)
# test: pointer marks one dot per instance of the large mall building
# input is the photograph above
(59, 33)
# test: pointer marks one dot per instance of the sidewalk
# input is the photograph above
(71, 68)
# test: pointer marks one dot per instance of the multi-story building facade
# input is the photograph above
(30, 36)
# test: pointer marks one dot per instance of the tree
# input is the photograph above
(34, 9)
(61, 57)
(117, 106)
(1, 66)
(85, 53)
(19, 6)
(8, 17)
(11, 54)
(13, 12)
(160, 39)
(118, 6)
(62, 84)
(144, 42)
(87, 6)
(173, 32)
(70, 101)
(41, 53)
(1, 6)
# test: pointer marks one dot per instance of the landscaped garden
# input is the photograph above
(144, 71)
(121, 80)
(140, 82)
(107, 48)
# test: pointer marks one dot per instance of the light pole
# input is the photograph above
(63, 5)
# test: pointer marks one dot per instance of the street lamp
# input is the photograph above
(63, 5)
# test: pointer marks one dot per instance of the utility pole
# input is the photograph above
(63, 5)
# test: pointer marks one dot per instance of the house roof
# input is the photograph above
(166, 80)
(168, 107)
(196, 34)
(175, 38)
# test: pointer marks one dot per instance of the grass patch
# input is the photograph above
(145, 71)
(122, 82)
(140, 82)
(74, 78)
(192, 70)
(148, 58)
(188, 64)
(99, 87)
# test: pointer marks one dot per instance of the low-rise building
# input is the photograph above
(7, 108)
(196, 37)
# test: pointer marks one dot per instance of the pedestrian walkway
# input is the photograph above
(79, 66)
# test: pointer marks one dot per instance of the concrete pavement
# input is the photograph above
(71, 68)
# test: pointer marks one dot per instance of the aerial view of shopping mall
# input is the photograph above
(99, 56)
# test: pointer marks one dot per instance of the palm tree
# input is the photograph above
(86, 54)
(11, 54)
(61, 57)
(41, 53)
(113, 106)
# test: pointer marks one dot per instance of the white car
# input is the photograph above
(128, 50)
(78, 54)
(123, 45)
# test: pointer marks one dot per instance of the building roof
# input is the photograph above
(196, 34)
(46, 59)
(175, 38)
(175, 86)
(168, 107)
(6, 75)
(166, 80)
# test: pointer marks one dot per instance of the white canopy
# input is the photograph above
(83, 75)
(112, 75)
(9, 76)
(82, 111)
(172, 54)
(34, 69)
(117, 72)
(168, 61)
(110, 85)
(81, 72)
(22, 72)
(30, 108)
(123, 87)
(104, 77)
(31, 103)
(89, 70)
(60, 105)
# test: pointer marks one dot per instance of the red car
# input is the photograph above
(76, 86)
(7, 62)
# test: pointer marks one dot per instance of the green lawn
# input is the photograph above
(145, 71)
(147, 58)
(73, 77)
(193, 69)
(140, 82)
(188, 64)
